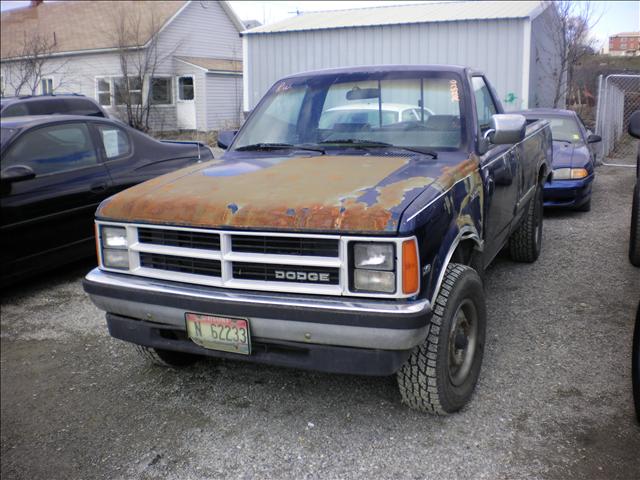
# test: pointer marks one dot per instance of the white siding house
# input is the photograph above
(196, 84)
(505, 40)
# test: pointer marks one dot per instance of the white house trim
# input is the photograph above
(526, 63)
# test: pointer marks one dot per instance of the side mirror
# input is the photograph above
(634, 124)
(16, 173)
(506, 128)
(225, 137)
(594, 138)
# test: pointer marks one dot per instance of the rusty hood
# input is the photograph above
(357, 194)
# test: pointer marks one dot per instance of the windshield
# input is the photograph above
(565, 130)
(408, 110)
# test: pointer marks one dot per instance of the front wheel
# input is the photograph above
(441, 373)
(526, 242)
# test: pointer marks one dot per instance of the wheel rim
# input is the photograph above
(463, 339)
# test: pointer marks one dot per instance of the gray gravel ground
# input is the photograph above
(553, 402)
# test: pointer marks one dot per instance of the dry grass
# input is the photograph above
(210, 138)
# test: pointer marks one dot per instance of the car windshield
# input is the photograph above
(565, 129)
(404, 109)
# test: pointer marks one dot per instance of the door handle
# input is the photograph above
(99, 187)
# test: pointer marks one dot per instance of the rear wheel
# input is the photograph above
(166, 358)
(440, 375)
(634, 240)
(526, 242)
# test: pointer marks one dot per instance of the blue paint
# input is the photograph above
(233, 207)
(291, 212)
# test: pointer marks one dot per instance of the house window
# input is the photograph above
(46, 86)
(133, 93)
(161, 91)
(185, 88)
(103, 88)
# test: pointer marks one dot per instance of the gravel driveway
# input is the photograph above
(553, 402)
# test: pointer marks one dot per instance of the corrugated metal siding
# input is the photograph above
(403, 15)
(544, 61)
(493, 46)
(224, 101)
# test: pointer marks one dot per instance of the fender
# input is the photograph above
(451, 241)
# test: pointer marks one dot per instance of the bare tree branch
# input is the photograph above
(569, 32)
(137, 41)
(28, 65)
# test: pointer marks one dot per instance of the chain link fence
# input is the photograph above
(618, 98)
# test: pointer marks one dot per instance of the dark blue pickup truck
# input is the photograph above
(346, 229)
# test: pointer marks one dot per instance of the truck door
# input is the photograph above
(500, 166)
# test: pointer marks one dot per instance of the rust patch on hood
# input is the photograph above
(298, 193)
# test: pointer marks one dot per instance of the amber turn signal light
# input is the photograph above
(410, 267)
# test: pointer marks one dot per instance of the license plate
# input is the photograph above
(219, 333)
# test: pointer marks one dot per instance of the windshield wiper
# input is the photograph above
(563, 141)
(277, 146)
(358, 143)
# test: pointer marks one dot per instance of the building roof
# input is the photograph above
(214, 65)
(404, 14)
(76, 26)
(626, 34)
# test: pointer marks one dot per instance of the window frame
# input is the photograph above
(173, 96)
(131, 90)
(99, 160)
(180, 100)
(98, 91)
(493, 101)
(49, 79)
(95, 127)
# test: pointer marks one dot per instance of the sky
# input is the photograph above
(614, 16)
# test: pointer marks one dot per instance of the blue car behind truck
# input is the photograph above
(348, 244)
(573, 159)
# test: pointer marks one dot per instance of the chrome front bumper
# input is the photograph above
(340, 321)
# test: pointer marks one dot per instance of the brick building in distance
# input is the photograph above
(624, 44)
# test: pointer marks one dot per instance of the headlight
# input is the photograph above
(114, 237)
(114, 247)
(374, 281)
(374, 267)
(373, 256)
(570, 173)
(113, 258)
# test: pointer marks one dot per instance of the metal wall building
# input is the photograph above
(509, 41)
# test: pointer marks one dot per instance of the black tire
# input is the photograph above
(526, 242)
(585, 207)
(166, 358)
(634, 238)
(440, 375)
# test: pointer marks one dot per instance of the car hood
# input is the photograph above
(567, 155)
(337, 193)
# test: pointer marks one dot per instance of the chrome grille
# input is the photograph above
(285, 245)
(179, 238)
(310, 263)
(172, 263)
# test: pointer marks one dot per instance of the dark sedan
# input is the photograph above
(55, 170)
(573, 159)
